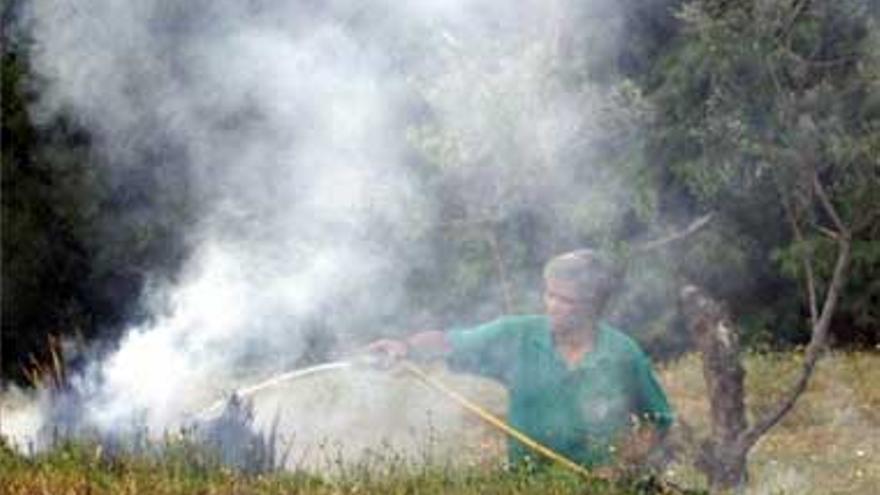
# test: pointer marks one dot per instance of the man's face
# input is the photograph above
(567, 309)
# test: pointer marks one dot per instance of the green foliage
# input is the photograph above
(535, 156)
(755, 101)
(41, 259)
(78, 241)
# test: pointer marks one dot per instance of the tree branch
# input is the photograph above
(827, 232)
(817, 343)
(695, 226)
(829, 208)
(819, 337)
(805, 261)
(798, 9)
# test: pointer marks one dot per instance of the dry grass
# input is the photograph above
(827, 444)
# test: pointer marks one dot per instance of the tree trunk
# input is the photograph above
(723, 456)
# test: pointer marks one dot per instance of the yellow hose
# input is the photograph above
(482, 413)
(496, 421)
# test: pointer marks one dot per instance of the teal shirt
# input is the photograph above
(578, 412)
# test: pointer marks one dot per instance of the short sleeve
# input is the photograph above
(489, 349)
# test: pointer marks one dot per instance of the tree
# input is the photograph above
(78, 240)
(773, 109)
(528, 149)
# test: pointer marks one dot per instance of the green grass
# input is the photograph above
(827, 444)
(82, 468)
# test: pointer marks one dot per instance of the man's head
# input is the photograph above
(578, 285)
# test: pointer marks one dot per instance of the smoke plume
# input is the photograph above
(303, 133)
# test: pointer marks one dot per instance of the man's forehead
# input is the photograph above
(562, 286)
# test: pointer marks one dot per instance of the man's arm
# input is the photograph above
(486, 349)
(425, 343)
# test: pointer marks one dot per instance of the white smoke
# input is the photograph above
(291, 122)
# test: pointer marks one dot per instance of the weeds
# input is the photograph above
(79, 468)
(825, 446)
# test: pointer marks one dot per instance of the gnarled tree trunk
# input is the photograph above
(722, 457)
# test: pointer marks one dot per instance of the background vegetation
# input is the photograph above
(725, 107)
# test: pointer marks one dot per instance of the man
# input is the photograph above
(576, 385)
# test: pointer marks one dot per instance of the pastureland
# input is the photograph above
(826, 445)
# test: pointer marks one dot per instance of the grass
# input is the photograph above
(827, 444)
(82, 469)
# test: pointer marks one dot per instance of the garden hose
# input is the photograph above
(435, 384)
(282, 377)
(496, 422)
(426, 379)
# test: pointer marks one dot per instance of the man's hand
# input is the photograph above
(629, 454)
(635, 447)
(428, 344)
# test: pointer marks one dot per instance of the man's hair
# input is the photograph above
(595, 277)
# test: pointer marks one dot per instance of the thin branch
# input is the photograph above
(811, 291)
(827, 232)
(866, 220)
(805, 260)
(775, 78)
(829, 208)
(798, 10)
(695, 226)
(828, 62)
(819, 337)
(820, 332)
